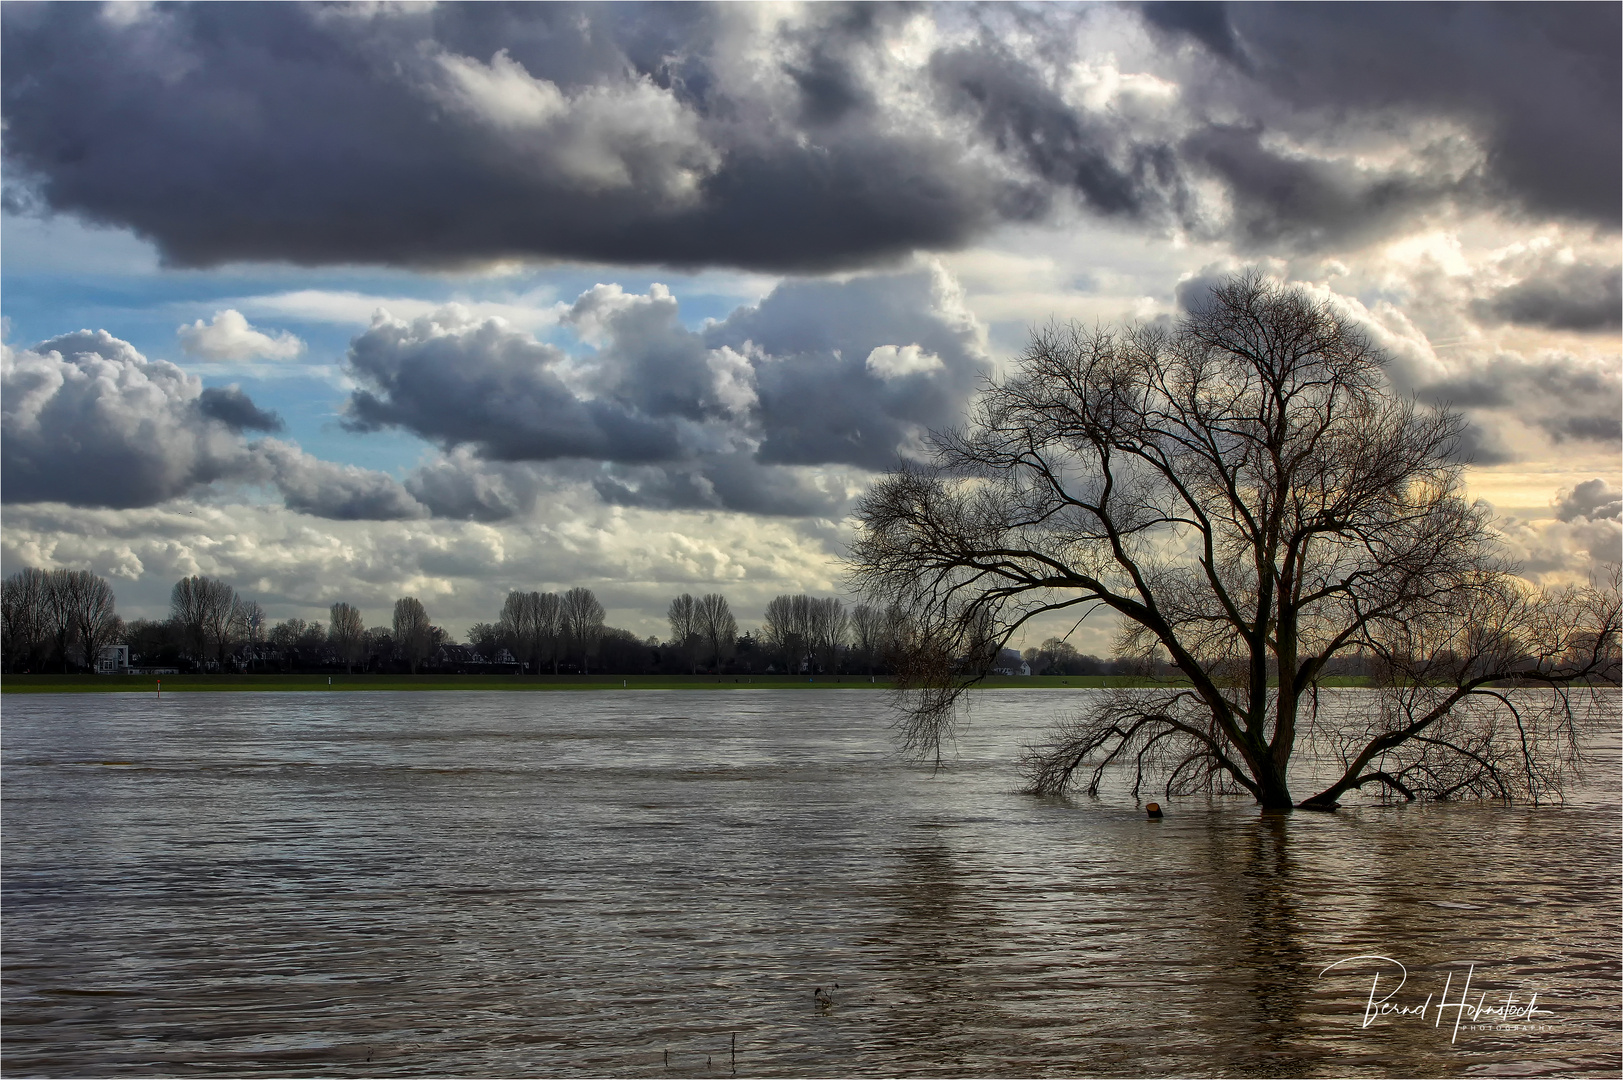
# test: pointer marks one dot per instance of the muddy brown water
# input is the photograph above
(657, 883)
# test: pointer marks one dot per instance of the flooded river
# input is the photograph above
(657, 884)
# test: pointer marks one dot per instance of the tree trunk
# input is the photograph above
(1272, 790)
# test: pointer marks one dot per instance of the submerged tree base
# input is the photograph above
(1507, 743)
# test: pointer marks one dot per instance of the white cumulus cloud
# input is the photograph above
(228, 336)
(891, 362)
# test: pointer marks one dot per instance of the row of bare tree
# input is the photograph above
(545, 629)
(56, 618)
(703, 630)
(213, 622)
(812, 633)
(800, 633)
(60, 619)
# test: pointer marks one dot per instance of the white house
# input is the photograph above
(114, 660)
(1010, 662)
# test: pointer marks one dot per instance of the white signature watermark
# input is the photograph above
(1511, 1014)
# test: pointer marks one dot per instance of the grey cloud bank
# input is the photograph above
(660, 415)
(1592, 500)
(1536, 83)
(1580, 297)
(87, 420)
(785, 407)
(791, 138)
(782, 408)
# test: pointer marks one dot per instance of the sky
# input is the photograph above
(364, 301)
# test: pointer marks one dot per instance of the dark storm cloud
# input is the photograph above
(1539, 83)
(1025, 118)
(1193, 293)
(468, 132)
(1565, 399)
(1203, 21)
(646, 359)
(1590, 427)
(830, 90)
(1579, 297)
(236, 410)
(1282, 199)
(691, 135)
(89, 421)
(1594, 500)
(1481, 444)
(650, 413)
(458, 485)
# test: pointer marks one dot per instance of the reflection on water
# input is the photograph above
(624, 884)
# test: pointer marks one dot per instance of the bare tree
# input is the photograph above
(549, 629)
(379, 642)
(1246, 494)
(873, 634)
(717, 628)
(413, 633)
(683, 615)
(221, 617)
(518, 626)
(286, 634)
(205, 610)
(784, 629)
(530, 627)
(1056, 656)
(253, 625)
(582, 622)
(347, 635)
(59, 612)
(153, 641)
(867, 624)
(826, 624)
(65, 606)
(89, 602)
(808, 631)
(26, 611)
(186, 612)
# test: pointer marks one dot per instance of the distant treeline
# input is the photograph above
(65, 621)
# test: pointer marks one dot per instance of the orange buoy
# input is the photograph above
(1153, 809)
